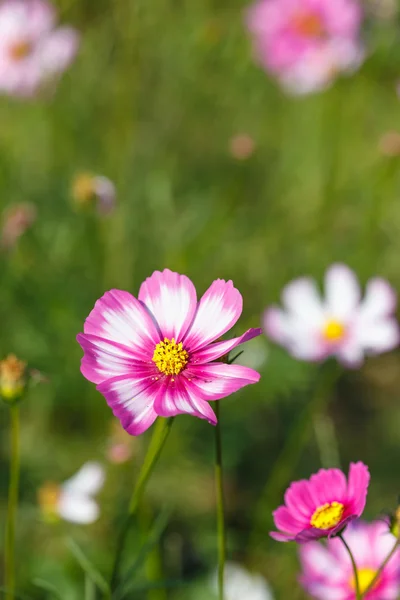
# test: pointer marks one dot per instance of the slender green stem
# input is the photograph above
(354, 565)
(220, 505)
(161, 431)
(379, 571)
(12, 504)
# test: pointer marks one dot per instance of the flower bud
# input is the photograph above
(12, 378)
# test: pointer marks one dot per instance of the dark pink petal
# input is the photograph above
(172, 300)
(119, 317)
(218, 380)
(282, 537)
(104, 359)
(286, 522)
(132, 400)
(218, 349)
(357, 488)
(218, 310)
(328, 485)
(176, 398)
(298, 499)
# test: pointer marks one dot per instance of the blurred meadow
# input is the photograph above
(218, 173)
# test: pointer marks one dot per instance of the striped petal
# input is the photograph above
(218, 380)
(178, 397)
(219, 349)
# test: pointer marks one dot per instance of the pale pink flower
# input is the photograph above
(16, 220)
(327, 570)
(306, 43)
(242, 146)
(322, 505)
(32, 49)
(341, 325)
(73, 500)
(156, 356)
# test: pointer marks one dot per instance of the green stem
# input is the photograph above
(379, 571)
(220, 505)
(354, 565)
(13, 486)
(161, 431)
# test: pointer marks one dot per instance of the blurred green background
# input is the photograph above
(155, 101)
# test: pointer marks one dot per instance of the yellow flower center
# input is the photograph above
(327, 516)
(83, 188)
(20, 50)
(334, 331)
(307, 24)
(170, 357)
(48, 498)
(365, 578)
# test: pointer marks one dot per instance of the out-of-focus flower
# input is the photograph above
(242, 146)
(16, 220)
(73, 500)
(306, 43)
(343, 325)
(89, 189)
(323, 505)
(12, 378)
(32, 49)
(120, 447)
(155, 356)
(240, 584)
(382, 9)
(327, 570)
(389, 144)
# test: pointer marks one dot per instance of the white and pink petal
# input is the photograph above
(218, 380)
(172, 300)
(218, 349)
(176, 397)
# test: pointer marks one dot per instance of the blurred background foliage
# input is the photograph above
(155, 101)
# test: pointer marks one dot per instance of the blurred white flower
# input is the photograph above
(240, 584)
(73, 500)
(342, 324)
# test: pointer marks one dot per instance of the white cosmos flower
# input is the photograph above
(240, 584)
(342, 324)
(73, 500)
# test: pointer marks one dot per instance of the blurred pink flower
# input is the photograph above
(389, 144)
(120, 448)
(155, 356)
(323, 505)
(88, 189)
(305, 43)
(16, 220)
(242, 146)
(32, 49)
(327, 571)
(342, 325)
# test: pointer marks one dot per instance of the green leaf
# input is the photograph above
(88, 567)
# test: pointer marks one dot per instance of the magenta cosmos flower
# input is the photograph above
(157, 356)
(341, 325)
(305, 43)
(32, 50)
(328, 574)
(323, 505)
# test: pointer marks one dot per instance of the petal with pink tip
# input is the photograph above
(342, 292)
(132, 400)
(103, 359)
(277, 325)
(218, 380)
(58, 50)
(177, 397)
(172, 300)
(119, 317)
(286, 522)
(218, 349)
(357, 487)
(218, 310)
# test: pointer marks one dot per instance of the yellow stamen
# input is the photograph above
(12, 380)
(327, 516)
(334, 331)
(308, 24)
(20, 50)
(84, 188)
(48, 498)
(365, 577)
(170, 357)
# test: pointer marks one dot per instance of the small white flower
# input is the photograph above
(341, 325)
(240, 584)
(73, 500)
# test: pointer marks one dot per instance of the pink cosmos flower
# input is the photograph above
(342, 325)
(305, 43)
(323, 505)
(32, 50)
(157, 356)
(327, 570)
